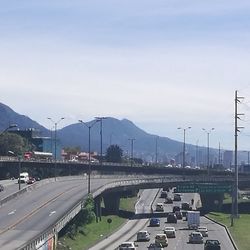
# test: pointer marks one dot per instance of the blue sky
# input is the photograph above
(161, 64)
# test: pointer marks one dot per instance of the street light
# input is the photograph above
(100, 119)
(89, 169)
(208, 133)
(184, 145)
(55, 124)
(10, 126)
(132, 150)
(19, 167)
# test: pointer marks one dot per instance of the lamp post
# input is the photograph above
(10, 127)
(156, 150)
(132, 150)
(19, 167)
(55, 125)
(184, 145)
(208, 133)
(89, 159)
(101, 118)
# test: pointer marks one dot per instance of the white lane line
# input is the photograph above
(51, 213)
(12, 212)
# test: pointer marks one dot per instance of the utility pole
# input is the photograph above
(235, 211)
(132, 150)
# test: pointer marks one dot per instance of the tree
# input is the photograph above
(15, 143)
(114, 154)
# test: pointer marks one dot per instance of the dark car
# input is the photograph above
(178, 215)
(31, 180)
(185, 206)
(212, 245)
(176, 208)
(171, 218)
(168, 200)
(1, 188)
(177, 197)
(164, 194)
(154, 222)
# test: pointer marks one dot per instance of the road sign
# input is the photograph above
(203, 188)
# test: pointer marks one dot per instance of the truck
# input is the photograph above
(193, 219)
(24, 177)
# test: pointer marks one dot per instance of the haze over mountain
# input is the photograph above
(114, 132)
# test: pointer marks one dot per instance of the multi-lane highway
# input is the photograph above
(148, 199)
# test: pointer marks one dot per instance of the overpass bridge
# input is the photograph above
(122, 181)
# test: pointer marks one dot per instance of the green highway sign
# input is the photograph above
(203, 188)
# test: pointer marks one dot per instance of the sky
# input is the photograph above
(163, 64)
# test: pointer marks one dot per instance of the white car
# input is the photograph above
(159, 207)
(170, 232)
(203, 231)
(143, 236)
(196, 237)
(128, 245)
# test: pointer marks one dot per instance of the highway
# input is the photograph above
(34, 211)
(147, 198)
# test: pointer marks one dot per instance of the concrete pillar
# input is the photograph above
(98, 209)
(112, 202)
(211, 201)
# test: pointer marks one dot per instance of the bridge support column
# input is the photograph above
(211, 201)
(112, 202)
(98, 209)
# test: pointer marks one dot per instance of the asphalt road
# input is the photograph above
(129, 230)
(34, 211)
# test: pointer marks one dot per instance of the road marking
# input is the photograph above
(35, 211)
(51, 213)
(12, 212)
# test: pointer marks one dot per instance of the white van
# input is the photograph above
(24, 177)
(161, 238)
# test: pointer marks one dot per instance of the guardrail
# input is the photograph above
(50, 234)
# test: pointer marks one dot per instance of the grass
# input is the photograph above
(240, 230)
(94, 232)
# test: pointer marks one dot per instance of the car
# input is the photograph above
(165, 189)
(164, 194)
(168, 200)
(177, 197)
(162, 239)
(185, 206)
(171, 218)
(196, 237)
(143, 236)
(155, 246)
(176, 208)
(203, 231)
(1, 188)
(212, 245)
(128, 245)
(31, 180)
(154, 222)
(178, 215)
(159, 207)
(170, 232)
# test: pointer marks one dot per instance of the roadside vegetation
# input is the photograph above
(239, 230)
(83, 231)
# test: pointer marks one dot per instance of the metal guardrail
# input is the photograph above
(50, 234)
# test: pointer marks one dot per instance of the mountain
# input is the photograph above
(114, 131)
(9, 116)
(120, 132)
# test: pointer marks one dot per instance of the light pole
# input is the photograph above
(156, 150)
(89, 160)
(55, 124)
(208, 133)
(10, 127)
(19, 167)
(184, 145)
(132, 150)
(101, 118)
